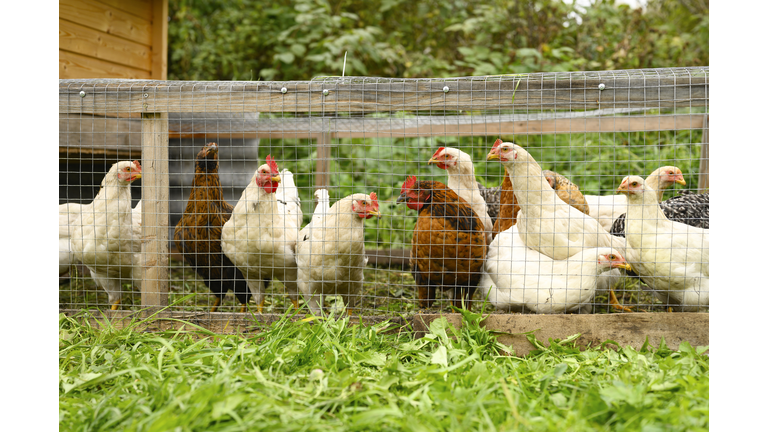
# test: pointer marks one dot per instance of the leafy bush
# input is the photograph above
(301, 39)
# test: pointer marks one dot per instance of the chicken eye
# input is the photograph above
(634, 183)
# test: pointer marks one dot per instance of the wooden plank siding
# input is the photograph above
(102, 17)
(75, 38)
(677, 89)
(140, 8)
(113, 39)
(80, 66)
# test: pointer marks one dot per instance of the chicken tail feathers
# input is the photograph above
(288, 193)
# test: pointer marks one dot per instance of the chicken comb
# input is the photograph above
(138, 165)
(272, 164)
(408, 184)
(375, 199)
(438, 151)
(497, 143)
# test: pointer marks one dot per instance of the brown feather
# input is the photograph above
(508, 207)
(448, 246)
(567, 191)
(198, 233)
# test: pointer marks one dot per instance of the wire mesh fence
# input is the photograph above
(386, 196)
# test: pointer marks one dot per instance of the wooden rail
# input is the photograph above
(97, 134)
(663, 88)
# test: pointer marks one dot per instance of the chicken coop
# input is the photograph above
(352, 167)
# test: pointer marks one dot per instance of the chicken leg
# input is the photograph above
(216, 304)
(614, 302)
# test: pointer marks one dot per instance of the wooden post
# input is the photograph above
(322, 176)
(704, 159)
(160, 40)
(154, 195)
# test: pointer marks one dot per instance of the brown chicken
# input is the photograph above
(448, 242)
(508, 207)
(567, 191)
(198, 233)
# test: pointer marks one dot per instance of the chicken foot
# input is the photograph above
(614, 302)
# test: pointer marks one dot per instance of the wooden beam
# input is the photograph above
(663, 88)
(626, 329)
(99, 134)
(154, 194)
(160, 40)
(322, 169)
(389, 258)
(704, 159)
(94, 132)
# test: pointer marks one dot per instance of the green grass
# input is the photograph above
(329, 375)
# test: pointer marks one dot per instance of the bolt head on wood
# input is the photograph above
(445, 89)
(82, 93)
(283, 90)
(325, 92)
(601, 86)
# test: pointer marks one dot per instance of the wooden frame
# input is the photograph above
(623, 92)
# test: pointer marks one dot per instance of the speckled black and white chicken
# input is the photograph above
(492, 197)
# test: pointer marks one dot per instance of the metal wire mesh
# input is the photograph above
(358, 135)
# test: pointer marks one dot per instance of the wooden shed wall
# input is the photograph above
(113, 39)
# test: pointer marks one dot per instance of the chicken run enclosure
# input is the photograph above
(363, 135)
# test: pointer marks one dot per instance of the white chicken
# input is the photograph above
(103, 237)
(545, 222)
(69, 216)
(526, 280)
(461, 178)
(673, 257)
(260, 237)
(609, 207)
(331, 250)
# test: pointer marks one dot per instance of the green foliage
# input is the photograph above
(300, 39)
(335, 375)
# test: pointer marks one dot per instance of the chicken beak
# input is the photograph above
(375, 213)
(492, 156)
(401, 199)
(432, 161)
(622, 188)
(625, 266)
(680, 180)
(136, 176)
(275, 178)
